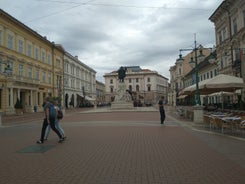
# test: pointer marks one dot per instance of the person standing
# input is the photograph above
(49, 120)
(161, 109)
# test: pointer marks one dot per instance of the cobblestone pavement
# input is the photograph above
(129, 147)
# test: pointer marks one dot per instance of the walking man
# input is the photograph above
(49, 120)
(161, 109)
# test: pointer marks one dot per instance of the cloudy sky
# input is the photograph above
(107, 34)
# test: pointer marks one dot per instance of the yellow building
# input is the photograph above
(31, 67)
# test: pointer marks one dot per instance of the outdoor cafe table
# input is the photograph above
(232, 121)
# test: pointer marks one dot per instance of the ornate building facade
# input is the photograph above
(31, 67)
(146, 85)
(229, 22)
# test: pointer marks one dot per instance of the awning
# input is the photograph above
(221, 82)
(221, 93)
(80, 95)
(89, 99)
(182, 96)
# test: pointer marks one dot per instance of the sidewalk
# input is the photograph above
(120, 148)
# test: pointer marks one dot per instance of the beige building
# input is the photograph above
(180, 77)
(177, 72)
(229, 22)
(79, 82)
(31, 67)
(147, 86)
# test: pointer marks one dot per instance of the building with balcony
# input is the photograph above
(229, 22)
(146, 86)
(31, 67)
(180, 76)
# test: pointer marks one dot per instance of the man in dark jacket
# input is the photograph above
(161, 109)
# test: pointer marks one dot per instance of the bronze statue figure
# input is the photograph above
(122, 73)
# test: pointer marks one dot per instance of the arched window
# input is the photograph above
(137, 88)
(130, 88)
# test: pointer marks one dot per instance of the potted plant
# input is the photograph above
(19, 107)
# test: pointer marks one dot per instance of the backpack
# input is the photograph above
(60, 114)
(52, 111)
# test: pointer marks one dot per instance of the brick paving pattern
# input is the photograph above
(119, 148)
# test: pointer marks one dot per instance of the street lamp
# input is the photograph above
(6, 72)
(194, 62)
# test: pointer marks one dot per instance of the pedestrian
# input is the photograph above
(161, 109)
(49, 119)
(57, 124)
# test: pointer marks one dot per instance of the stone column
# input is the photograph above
(11, 98)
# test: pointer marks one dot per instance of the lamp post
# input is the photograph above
(6, 72)
(195, 63)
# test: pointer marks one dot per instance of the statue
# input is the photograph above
(122, 73)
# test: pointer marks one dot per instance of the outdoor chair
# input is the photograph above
(221, 124)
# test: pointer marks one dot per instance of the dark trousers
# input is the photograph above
(162, 115)
(52, 125)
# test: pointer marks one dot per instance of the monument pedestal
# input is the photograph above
(121, 105)
(122, 99)
(198, 114)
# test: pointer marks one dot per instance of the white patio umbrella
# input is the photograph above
(222, 94)
(221, 82)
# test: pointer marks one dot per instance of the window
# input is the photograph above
(1, 37)
(66, 67)
(208, 75)
(220, 37)
(137, 88)
(21, 46)
(37, 54)
(137, 80)
(130, 88)
(49, 59)
(72, 69)
(211, 74)
(237, 54)
(37, 74)
(111, 81)
(21, 70)
(66, 82)
(235, 26)
(29, 50)
(111, 89)
(77, 71)
(10, 43)
(130, 80)
(148, 88)
(58, 65)
(49, 78)
(224, 33)
(44, 77)
(30, 72)
(215, 72)
(148, 79)
(43, 56)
